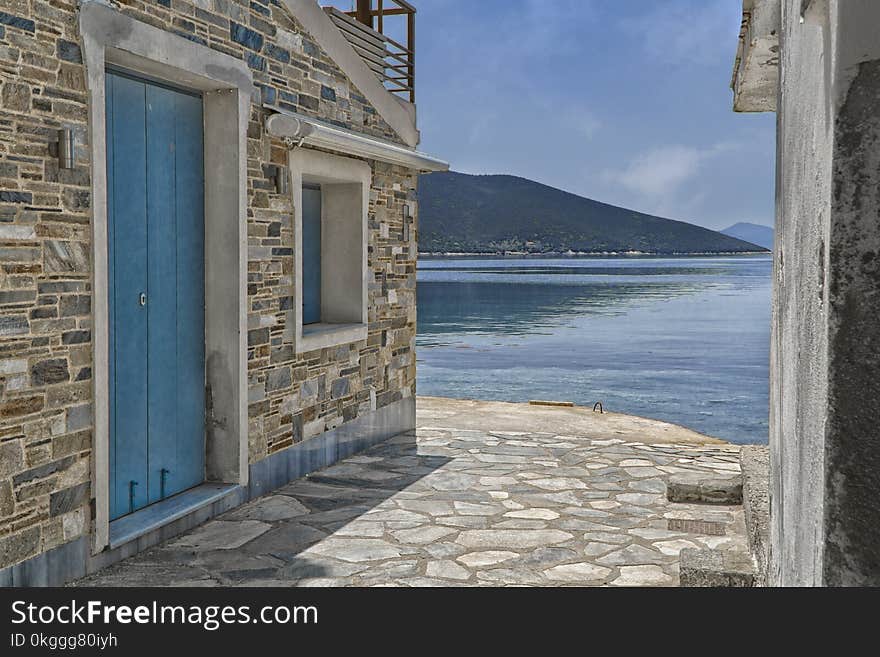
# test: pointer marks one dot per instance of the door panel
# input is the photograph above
(190, 295)
(161, 305)
(128, 278)
(311, 250)
(156, 229)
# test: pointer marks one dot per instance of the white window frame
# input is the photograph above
(345, 197)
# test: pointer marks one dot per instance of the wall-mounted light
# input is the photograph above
(282, 181)
(66, 148)
(407, 220)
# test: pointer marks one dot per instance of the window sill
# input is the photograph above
(321, 336)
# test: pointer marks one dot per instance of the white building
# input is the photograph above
(817, 64)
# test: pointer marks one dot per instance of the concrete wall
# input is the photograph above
(46, 325)
(799, 336)
(852, 449)
(825, 357)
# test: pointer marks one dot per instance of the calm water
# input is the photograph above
(679, 339)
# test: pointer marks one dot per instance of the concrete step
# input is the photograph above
(716, 568)
(705, 490)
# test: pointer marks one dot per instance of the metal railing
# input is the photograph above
(365, 28)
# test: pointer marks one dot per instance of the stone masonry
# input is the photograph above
(45, 289)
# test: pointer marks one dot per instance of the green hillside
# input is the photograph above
(489, 214)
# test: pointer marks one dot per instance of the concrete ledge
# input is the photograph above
(579, 421)
(321, 336)
(756, 68)
(716, 568)
(705, 490)
(755, 462)
(317, 133)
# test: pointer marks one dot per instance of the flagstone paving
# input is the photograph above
(454, 507)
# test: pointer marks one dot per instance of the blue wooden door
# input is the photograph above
(311, 254)
(155, 193)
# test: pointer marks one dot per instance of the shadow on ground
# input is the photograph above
(461, 507)
(261, 543)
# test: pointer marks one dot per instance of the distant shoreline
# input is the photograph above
(588, 254)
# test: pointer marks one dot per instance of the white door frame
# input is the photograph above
(111, 37)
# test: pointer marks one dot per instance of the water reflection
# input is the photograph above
(529, 307)
(684, 340)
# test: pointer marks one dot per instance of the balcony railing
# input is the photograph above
(367, 29)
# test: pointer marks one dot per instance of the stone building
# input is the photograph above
(817, 64)
(208, 232)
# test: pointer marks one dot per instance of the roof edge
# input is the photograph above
(756, 67)
(304, 130)
(400, 118)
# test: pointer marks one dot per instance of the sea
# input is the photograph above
(680, 339)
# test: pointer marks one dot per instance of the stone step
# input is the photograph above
(705, 490)
(716, 568)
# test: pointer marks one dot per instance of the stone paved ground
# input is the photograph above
(450, 507)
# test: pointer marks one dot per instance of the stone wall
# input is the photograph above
(45, 320)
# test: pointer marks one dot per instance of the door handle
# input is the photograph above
(142, 299)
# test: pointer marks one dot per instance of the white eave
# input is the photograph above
(398, 113)
(756, 70)
(303, 130)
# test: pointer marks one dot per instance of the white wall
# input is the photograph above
(825, 355)
(799, 342)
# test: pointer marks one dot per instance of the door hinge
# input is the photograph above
(163, 476)
(131, 486)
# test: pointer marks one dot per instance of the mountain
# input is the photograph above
(754, 233)
(461, 213)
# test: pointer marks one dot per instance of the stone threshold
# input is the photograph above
(150, 518)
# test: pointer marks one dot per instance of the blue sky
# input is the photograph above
(624, 101)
